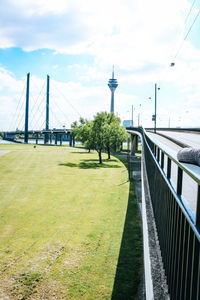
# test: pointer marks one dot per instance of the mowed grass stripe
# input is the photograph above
(61, 223)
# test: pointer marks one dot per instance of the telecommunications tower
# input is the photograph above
(112, 83)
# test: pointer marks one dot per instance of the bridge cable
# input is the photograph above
(20, 121)
(13, 120)
(64, 114)
(32, 107)
(37, 106)
(59, 122)
(18, 116)
(40, 113)
(67, 100)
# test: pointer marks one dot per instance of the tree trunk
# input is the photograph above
(108, 151)
(100, 159)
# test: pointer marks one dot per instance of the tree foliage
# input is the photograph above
(104, 133)
(82, 131)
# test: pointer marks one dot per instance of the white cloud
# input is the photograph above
(140, 37)
(8, 81)
(89, 25)
(68, 101)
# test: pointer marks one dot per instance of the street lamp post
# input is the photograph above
(139, 111)
(132, 116)
(155, 115)
(155, 107)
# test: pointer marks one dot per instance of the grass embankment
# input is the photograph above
(65, 229)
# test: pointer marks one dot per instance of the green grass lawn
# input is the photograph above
(69, 227)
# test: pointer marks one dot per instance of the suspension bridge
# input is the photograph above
(28, 122)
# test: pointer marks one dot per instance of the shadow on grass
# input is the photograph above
(123, 183)
(104, 160)
(130, 261)
(91, 164)
(80, 152)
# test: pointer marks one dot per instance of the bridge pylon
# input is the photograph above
(27, 110)
(46, 137)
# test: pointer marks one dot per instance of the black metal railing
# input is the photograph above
(178, 231)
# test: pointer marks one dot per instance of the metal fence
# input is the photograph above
(178, 232)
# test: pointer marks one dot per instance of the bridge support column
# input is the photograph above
(61, 138)
(134, 144)
(56, 138)
(36, 140)
(70, 140)
(46, 138)
(50, 138)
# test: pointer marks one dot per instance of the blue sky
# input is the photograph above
(77, 42)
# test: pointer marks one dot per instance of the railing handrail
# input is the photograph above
(178, 198)
(191, 169)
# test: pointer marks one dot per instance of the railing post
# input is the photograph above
(162, 160)
(198, 208)
(179, 181)
(154, 149)
(158, 154)
(169, 168)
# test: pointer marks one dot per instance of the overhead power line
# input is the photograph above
(188, 32)
(191, 7)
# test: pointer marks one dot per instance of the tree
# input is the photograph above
(115, 134)
(98, 129)
(81, 131)
(104, 133)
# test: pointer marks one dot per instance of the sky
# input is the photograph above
(77, 42)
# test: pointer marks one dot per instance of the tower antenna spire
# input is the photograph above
(112, 83)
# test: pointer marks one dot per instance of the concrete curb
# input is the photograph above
(147, 259)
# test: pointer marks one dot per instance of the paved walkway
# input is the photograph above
(3, 152)
(160, 289)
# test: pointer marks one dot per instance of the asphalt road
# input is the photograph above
(191, 139)
(189, 191)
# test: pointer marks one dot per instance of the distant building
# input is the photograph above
(127, 123)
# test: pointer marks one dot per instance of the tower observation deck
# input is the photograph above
(112, 83)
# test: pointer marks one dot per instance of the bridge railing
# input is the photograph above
(178, 232)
